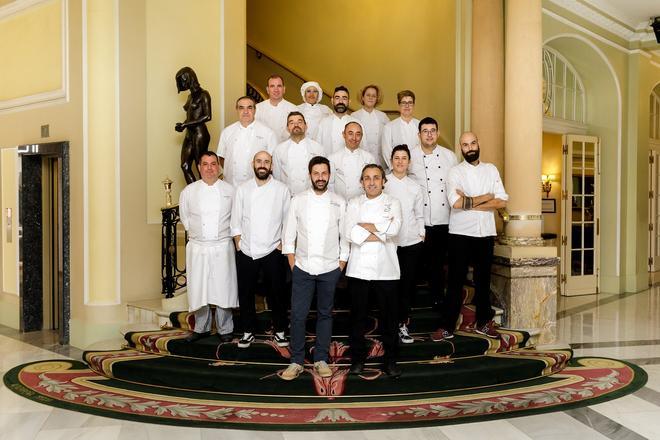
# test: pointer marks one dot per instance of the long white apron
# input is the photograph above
(211, 274)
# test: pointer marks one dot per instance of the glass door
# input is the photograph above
(581, 215)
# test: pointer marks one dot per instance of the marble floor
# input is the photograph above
(621, 326)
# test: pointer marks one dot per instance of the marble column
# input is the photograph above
(524, 271)
(487, 95)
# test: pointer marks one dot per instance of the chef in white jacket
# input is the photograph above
(311, 107)
(205, 210)
(347, 163)
(256, 225)
(429, 167)
(372, 120)
(291, 157)
(273, 111)
(373, 220)
(411, 236)
(240, 141)
(313, 241)
(403, 130)
(332, 126)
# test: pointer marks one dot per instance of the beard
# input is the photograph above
(320, 185)
(340, 108)
(471, 156)
(262, 173)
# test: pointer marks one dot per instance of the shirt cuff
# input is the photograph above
(359, 234)
(288, 249)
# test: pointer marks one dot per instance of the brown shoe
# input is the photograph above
(488, 329)
(292, 371)
(441, 335)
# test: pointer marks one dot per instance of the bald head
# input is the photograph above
(352, 135)
(469, 147)
(262, 164)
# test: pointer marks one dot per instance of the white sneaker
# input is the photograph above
(404, 336)
(292, 371)
(322, 369)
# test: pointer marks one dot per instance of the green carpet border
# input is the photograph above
(11, 381)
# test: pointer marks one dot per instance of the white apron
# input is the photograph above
(211, 274)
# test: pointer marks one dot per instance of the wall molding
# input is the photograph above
(58, 96)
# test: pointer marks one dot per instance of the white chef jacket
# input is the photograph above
(239, 144)
(205, 212)
(398, 132)
(373, 260)
(313, 116)
(430, 171)
(274, 116)
(314, 231)
(330, 133)
(291, 163)
(346, 170)
(474, 181)
(257, 216)
(372, 125)
(410, 196)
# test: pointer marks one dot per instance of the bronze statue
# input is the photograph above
(198, 112)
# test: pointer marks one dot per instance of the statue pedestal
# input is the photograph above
(524, 282)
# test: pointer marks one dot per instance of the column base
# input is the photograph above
(524, 283)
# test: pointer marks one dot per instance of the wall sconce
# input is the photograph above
(546, 184)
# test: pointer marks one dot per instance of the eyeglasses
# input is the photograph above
(431, 131)
(406, 103)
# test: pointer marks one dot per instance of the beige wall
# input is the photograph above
(395, 44)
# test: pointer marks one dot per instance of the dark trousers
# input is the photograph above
(386, 292)
(303, 286)
(434, 257)
(408, 262)
(464, 250)
(273, 270)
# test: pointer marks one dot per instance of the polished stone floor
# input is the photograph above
(620, 326)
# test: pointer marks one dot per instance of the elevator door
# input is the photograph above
(52, 242)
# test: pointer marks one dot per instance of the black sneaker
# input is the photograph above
(227, 337)
(196, 336)
(404, 336)
(246, 340)
(280, 339)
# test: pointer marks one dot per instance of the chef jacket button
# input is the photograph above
(442, 190)
(425, 204)
(443, 204)
(428, 178)
(429, 192)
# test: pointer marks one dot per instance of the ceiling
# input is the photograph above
(634, 13)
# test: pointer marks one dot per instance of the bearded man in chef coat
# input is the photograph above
(205, 211)
(373, 220)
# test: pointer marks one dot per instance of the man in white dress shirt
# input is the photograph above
(411, 236)
(332, 127)
(273, 111)
(372, 221)
(205, 210)
(291, 157)
(475, 192)
(403, 130)
(348, 162)
(257, 215)
(240, 141)
(311, 107)
(313, 240)
(372, 121)
(429, 167)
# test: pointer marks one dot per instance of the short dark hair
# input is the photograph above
(295, 114)
(318, 160)
(427, 121)
(246, 97)
(402, 147)
(341, 89)
(273, 76)
(373, 165)
(210, 154)
(403, 93)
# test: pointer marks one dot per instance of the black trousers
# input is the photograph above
(275, 278)
(408, 263)
(434, 258)
(386, 292)
(464, 250)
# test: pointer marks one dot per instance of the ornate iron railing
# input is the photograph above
(173, 277)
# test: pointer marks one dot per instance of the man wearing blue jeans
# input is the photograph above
(317, 252)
